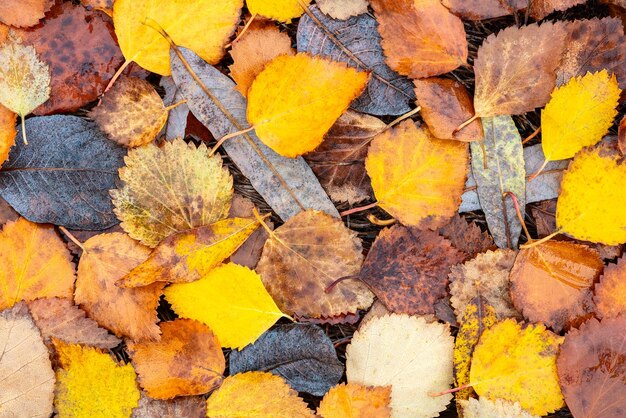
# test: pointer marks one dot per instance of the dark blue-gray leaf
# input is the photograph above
(302, 354)
(64, 174)
(356, 41)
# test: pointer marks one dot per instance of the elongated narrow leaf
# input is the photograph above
(498, 167)
(287, 184)
(64, 175)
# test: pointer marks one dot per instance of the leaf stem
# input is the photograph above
(534, 175)
(542, 240)
(531, 136)
(518, 212)
(172, 106)
(261, 219)
(230, 135)
(117, 75)
(380, 222)
(72, 238)
(464, 124)
(403, 117)
(245, 28)
(453, 390)
(358, 209)
(24, 130)
(339, 280)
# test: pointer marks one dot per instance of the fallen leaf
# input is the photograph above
(446, 104)
(187, 407)
(539, 9)
(176, 125)
(91, 384)
(203, 26)
(609, 292)
(24, 13)
(551, 283)
(7, 132)
(59, 318)
(498, 168)
(498, 408)
(467, 237)
(484, 9)
(301, 354)
(169, 189)
(131, 113)
(258, 46)
(342, 9)
(355, 400)
(518, 365)
(126, 312)
(83, 235)
(287, 185)
(339, 162)
(621, 136)
(26, 376)
(281, 10)
(305, 256)
(105, 6)
(408, 270)
(421, 38)
(7, 213)
(417, 178)
(515, 69)
(402, 347)
(591, 367)
(280, 113)
(32, 254)
(249, 253)
(64, 175)
(356, 42)
(487, 275)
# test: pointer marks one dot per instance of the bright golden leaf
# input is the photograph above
(355, 400)
(7, 132)
(417, 178)
(518, 365)
(231, 300)
(295, 100)
(35, 263)
(592, 203)
(281, 10)
(579, 114)
(169, 189)
(91, 385)
(203, 26)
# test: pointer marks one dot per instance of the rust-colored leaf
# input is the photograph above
(7, 132)
(542, 8)
(610, 293)
(105, 6)
(484, 9)
(185, 407)
(467, 237)
(7, 213)
(23, 13)
(621, 136)
(249, 253)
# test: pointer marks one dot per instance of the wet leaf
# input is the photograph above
(467, 237)
(355, 400)
(23, 13)
(487, 408)
(188, 407)
(343, 9)
(281, 10)
(610, 291)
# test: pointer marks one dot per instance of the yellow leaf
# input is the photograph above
(169, 189)
(355, 400)
(592, 203)
(518, 365)
(189, 255)
(91, 385)
(35, 263)
(256, 394)
(296, 99)
(231, 300)
(417, 178)
(203, 26)
(579, 114)
(281, 10)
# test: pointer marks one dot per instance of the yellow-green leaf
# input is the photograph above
(281, 10)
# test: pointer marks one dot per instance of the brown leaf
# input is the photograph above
(59, 318)
(408, 269)
(467, 237)
(551, 283)
(621, 136)
(421, 38)
(23, 13)
(105, 6)
(484, 9)
(339, 162)
(542, 8)
(515, 69)
(610, 292)
(445, 105)
(83, 236)
(250, 251)
(186, 407)
(7, 213)
(591, 369)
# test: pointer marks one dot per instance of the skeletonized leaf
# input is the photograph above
(609, 292)
(355, 400)
(342, 9)
(23, 13)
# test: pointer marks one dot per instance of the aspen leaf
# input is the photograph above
(231, 300)
(203, 26)
(169, 189)
(91, 385)
(403, 347)
(417, 178)
(487, 408)
(610, 292)
(579, 114)
(7, 132)
(187, 360)
(256, 394)
(187, 407)
(467, 237)
(342, 9)
(591, 204)
(355, 400)
(281, 10)
(23, 13)
(295, 100)
(484, 9)
(131, 113)
(539, 9)
(518, 365)
(305, 256)
(126, 312)
(621, 136)
(249, 253)
(36, 263)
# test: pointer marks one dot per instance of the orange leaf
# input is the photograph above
(23, 13)
(610, 293)
(7, 132)
(356, 400)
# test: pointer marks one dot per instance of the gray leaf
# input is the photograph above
(177, 117)
(387, 93)
(64, 174)
(302, 354)
(288, 185)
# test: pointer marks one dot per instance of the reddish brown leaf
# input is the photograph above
(542, 8)
(467, 237)
(23, 13)
(408, 269)
(105, 6)
(187, 407)
(610, 293)
(484, 9)
(250, 251)
(7, 213)
(621, 136)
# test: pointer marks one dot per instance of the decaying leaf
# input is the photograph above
(467, 237)
(355, 400)
(621, 136)
(35, 263)
(126, 312)
(408, 269)
(105, 6)
(187, 407)
(417, 178)
(551, 283)
(498, 408)
(281, 10)
(484, 9)
(7, 132)
(301, 354)
(305, 256)
(176, 125)
(26, 376)
(403, 347)
(169, 189)
(342, 9)
(539, 9)
(421, 38)
(24, 13)
(518, 365)
(610, 292)
(7, 213)
(249, 253)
